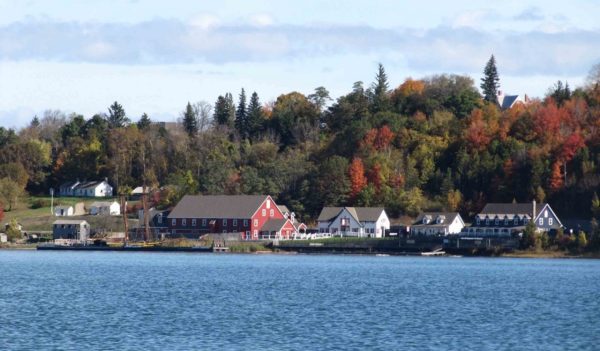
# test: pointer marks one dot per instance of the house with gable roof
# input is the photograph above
(437, 223)
(249, 215)
(508, 101)
(507, 219)
(354, 221)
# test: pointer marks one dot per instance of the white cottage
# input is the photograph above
(105, 208)
(64, 211)
(94, 189)
(438, 223)
(354, 221)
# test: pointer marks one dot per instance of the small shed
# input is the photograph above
(64, 211)
(71, 229)
(105, 208)
(3, 238)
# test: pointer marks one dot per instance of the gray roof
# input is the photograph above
(449, 218)
(70, 221)
(273, 225)
(283, 208)
(87, 185)
(218, 206)
(63, 207)
(360, 214)
(510, 208)
(508, 101)
(103, 203)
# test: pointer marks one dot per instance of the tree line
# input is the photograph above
(431, 143)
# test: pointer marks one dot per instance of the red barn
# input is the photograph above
(196, 215)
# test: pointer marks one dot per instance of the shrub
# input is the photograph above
(39, 203)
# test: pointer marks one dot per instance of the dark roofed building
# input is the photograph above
(505, 219)
(196, 215)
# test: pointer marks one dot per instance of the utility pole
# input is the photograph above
(146, 219)
(124, 211)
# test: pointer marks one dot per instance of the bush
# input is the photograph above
(39, 203)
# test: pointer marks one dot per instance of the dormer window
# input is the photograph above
(440, 219)
(496, 221)
(487, 221)
(505, 221)
(426, 219)
(478, 220)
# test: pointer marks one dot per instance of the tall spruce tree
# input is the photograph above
(241, 116)
(490, 81)
(190, 123)
(144, 122)
(380, 99)
(255, 116)
(221, 115)
(116, 116)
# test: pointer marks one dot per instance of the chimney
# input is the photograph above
(499, 92)
(534, 211)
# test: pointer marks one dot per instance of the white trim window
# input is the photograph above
(224, 221)
(193, 222)
(264, 212)
(174, 221)
(235, 222)
(550, 221)
(271, 213)
(204, 222)
(246, 224)
(184, 222)
(256, 222)
(541, 221)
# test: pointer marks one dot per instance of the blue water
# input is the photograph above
(175, 301)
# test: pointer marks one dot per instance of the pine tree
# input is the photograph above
(380, 99)
(255, 116)
(116, 116)
(490, 81)
(190, 123)
(144, 122)
(221, 115)
(241, 115)
(35, 122)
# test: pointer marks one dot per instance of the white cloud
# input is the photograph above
(204, 21)
(262, 20)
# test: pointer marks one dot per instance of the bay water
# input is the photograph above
(178, 301)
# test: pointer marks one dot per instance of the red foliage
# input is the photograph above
(358, 181)
(375, 176)
(384, 138)
(1, 211)
(570, 147)
(477, 133)
(369, 139)
(556, 177)
(397, 181)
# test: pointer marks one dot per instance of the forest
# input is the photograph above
(431, 143)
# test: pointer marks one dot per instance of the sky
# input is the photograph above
(154, 56)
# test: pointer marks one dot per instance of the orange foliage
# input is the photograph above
(397, 181)
(378, 139)
(358, 181)
(410, 87)
(477, 132)
(556, 177)
(570, 147)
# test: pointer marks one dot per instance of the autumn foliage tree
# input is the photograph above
(358, 180)
(556, 182)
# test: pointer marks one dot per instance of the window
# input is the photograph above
(246, 223)
(235, 222)
(496, 221)
(174, 221)
(541, 221)
(159, 218)
(255, 233)
(256, 222)
(550, 221)
(268, 203)
(204, 222)
(525, 220)
(184, 222)
(247, 234)
(478, 221)
(264, 212)
(505, 221)
(271, 213)
(224, 222)
(193, 222)
(516, 222)
(487, 221)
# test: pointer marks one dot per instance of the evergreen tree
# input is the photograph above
(221, 115)
(255, 116)
(144, 122)
(241, 116)
(190, 123)
(116, 116)
(490, 81)
(35, 122)
(380, 99)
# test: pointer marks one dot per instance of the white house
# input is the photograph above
(64, 211)
(94, 189)
(354, 221)
(105, 208)
(438, 223)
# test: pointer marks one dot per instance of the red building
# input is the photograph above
(196, 215)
